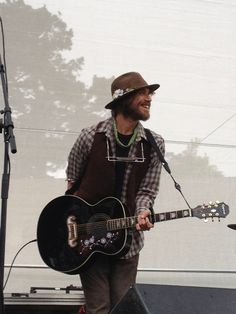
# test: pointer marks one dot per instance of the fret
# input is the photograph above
(132, 221)
(186, 213)
(179, 213)
(123, 224)
(129, 221)
(167, 216)
(173, 215)
(109, 225)
(161, 217)
(117, 224)
(112, 224)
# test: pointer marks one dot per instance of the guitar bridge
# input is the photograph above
(72, 231)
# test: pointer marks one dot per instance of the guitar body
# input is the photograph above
(71, 232)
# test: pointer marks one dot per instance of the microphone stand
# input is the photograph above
(7, 126)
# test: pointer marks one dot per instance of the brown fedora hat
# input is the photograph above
(127, 84)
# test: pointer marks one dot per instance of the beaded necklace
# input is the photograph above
(130, 141)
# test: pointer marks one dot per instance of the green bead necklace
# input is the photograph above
(130, 141)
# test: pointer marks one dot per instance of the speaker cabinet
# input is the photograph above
(166, 299)
(132, 302)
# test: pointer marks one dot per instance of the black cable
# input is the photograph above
(13, 261)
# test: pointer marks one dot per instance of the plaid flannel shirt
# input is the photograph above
(149, 185)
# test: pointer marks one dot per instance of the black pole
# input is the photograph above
(6, 127)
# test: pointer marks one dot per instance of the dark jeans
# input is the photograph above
(107, 281)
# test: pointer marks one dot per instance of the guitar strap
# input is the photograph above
(156, 148)
(74, 188)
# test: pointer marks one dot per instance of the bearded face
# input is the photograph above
(136, 106)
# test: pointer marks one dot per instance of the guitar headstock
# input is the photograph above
(211, 210)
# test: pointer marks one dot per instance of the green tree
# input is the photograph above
(189, 163)
(45, 91)
(41, 82)
(98, 95)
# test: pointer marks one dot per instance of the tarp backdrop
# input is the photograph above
(61, 59)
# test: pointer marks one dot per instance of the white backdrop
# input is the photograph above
(189, 48)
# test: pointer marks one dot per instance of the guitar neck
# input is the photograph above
(172, 215)
(130, 222)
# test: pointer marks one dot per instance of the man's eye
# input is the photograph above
(143, 92)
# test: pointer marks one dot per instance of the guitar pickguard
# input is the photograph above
(93, 243)
(94, 237)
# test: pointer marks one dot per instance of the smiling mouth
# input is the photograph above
(147, 107)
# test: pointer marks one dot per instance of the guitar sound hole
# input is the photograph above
(98, 228)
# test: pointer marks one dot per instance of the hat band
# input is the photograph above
(121, 92)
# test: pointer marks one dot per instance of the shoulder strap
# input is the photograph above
(74, 188)
(153, 142)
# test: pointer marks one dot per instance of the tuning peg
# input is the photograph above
(210, 204)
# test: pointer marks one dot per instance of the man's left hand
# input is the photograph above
(143, 221)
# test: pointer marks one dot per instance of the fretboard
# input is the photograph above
(172, 215)
(130, 222)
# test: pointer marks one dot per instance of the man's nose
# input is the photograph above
(148, 96)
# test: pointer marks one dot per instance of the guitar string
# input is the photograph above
(99, 225)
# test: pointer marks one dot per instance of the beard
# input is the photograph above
(134, 113)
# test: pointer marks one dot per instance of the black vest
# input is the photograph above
(99, 176)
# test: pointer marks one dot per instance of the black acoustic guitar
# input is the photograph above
(71, 232)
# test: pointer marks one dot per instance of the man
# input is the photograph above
(114, 158)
